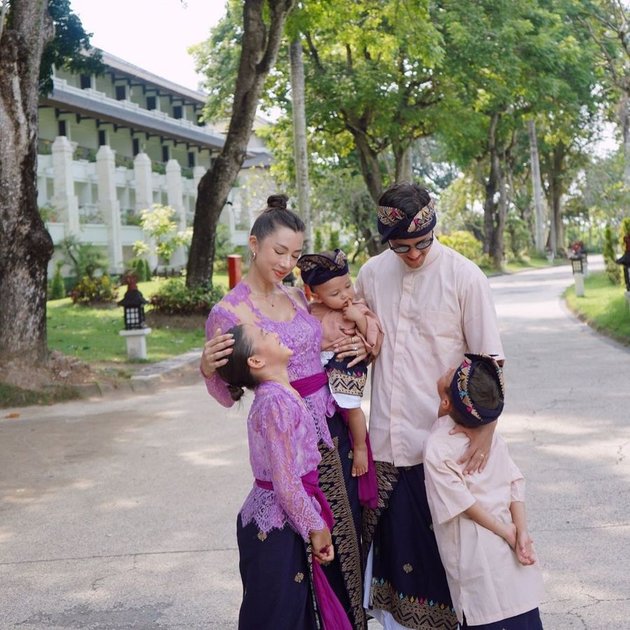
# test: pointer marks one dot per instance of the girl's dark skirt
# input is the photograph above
(526, 621)
(277, 592)
(408, 578)
(342, 493)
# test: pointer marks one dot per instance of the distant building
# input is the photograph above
(113, 145)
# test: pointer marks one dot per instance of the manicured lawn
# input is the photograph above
(91, 334)
(603, 306)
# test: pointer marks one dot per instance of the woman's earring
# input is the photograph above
(253, 255)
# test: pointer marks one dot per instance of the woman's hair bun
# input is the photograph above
(236, 392)
(277, 202)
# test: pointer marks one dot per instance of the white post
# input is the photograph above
(144, 197)
(108, 204)
(136, 342)
(579, 284)
(64, 198)
(174, 195)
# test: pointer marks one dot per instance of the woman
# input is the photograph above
(275, 243)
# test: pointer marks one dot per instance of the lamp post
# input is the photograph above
(135, 332)
(577, 265)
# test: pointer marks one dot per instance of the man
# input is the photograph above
(434, 305)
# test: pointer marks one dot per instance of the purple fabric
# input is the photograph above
(282, 449)
(333, 615)
(310, 384)
(302, 334)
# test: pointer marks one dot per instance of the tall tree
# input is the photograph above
(25, 245)
(34, 34)
(263, 27)
(508, 62)
(300, 143)
(608, 24)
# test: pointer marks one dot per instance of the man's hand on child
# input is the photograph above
(475, 457)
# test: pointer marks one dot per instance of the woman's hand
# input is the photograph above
(215, 352)
(475, 457)
(351, 347)
(321, 542)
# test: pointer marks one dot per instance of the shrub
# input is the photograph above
(57, 286)
(90, 291)
(334, 240)
(138, 269)
(613, 270)
(175, 298)
(464, 243)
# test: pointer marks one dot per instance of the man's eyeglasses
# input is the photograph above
(420, 245)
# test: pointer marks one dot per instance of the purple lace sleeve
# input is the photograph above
(224, 320)
(283, 447)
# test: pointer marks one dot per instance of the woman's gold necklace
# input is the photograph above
(269, 298)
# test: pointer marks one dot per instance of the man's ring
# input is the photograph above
(355, 349)
(481, 455)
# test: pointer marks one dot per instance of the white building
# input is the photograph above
(114, 144)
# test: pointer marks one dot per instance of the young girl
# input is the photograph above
(341, 313)
(285, 511)
(479, 519)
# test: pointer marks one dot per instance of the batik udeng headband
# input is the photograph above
(392, 216)
(470, 412)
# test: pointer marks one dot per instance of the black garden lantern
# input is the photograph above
(133, 303)
(625, 261)
(577, 264)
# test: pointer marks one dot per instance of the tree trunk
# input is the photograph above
(25, 245)
(300, 148)
(539, 210)
(260, 44)
(494, 207)
(556, 190)
(402, 156)
(625, 126)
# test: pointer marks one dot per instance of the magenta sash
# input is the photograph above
(310, 384)
(333, 615)
(368, 486)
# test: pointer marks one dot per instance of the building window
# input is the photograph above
(178, 111)
(136, 146)
(85, 81)
(165, 153)
(102, 137)
(61, 128)
(191, 159)
(151, 102)
(121, 92)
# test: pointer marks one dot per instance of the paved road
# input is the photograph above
(119, 513)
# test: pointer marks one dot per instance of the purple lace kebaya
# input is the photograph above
(282, 449)
(302, 334)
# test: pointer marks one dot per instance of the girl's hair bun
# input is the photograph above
(277, 202)
(236, 392)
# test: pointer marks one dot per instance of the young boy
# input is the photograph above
(479, 519)
(341, 313)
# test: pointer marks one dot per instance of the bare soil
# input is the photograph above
(59, 370)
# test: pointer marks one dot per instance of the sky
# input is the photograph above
(152, 34)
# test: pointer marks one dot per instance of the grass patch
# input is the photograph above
(11, 396)
(604, 306)
(91, 334)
